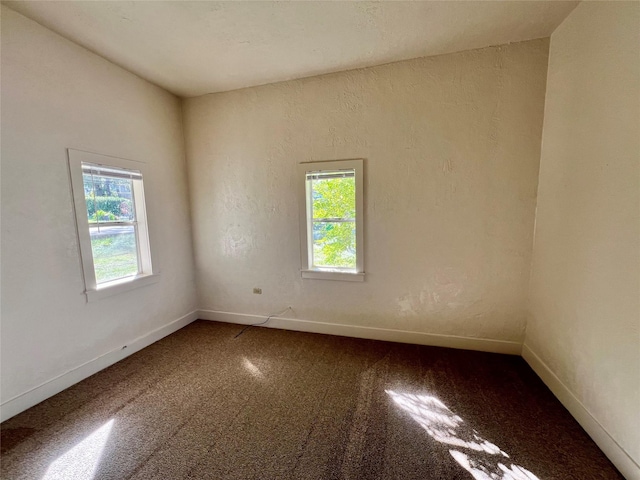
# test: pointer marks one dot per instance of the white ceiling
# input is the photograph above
(193, 48)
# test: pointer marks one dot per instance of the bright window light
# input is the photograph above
(111, 216)
(331, 225)
(113, 224)
(332, 204)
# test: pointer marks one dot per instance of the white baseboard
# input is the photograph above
(371, 333)
(617, 454)
(612, 449)
(49, 388)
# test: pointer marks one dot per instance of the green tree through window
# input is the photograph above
(332, 220)
(333, 198)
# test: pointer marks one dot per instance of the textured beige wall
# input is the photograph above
(451, 147)
(56, 95)
(585, 286)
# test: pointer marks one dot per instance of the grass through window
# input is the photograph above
(114, 255)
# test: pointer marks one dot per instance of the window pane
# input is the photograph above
(334, 244)
(334, 197)
(108, 199)
(114, 252)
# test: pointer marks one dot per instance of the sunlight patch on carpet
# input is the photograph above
(82, 460)
(252, 369)
(483, 459)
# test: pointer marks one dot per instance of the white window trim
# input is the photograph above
(329, 274)
(93, 291)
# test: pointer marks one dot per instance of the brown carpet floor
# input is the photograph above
(275, 404)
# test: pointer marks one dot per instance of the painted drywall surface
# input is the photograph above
(451, 147)
(55, 95)
(219, 46)
(585, 286)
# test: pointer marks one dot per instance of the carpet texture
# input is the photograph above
(275, 404)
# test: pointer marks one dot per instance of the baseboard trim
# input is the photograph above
(612, 449)
(32, 397)
(371, 333)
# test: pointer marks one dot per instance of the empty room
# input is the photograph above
(320, 240)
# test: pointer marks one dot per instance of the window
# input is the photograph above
(331, 220)
(111, 217)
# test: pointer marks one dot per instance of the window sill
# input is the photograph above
(120, 286)
(331, 275)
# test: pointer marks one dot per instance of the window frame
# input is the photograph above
(306, 223)
(146, 274)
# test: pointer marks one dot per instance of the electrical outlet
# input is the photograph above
(257, 291)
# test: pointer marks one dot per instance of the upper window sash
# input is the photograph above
(320, 175)
(105, 171)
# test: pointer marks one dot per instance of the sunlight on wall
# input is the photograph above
(483, 457)
(82, 460)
